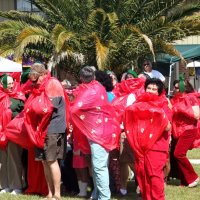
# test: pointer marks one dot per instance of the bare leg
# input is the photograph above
(48, 178)
(56, 177)
(53, 177)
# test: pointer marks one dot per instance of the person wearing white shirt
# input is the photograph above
(147, 65)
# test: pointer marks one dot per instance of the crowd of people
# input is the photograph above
(98, 135)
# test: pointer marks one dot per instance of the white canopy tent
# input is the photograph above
(193, 64)
(195, 80)
(7, 65)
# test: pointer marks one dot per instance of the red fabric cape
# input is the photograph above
(6, 115)
(94, 118)
(29, 128)
(123, 90)
(183, 117)
(144, 123)
(184, 120)
(38, 110)
(35, 176)
(27, 87)
(134, 85)
(17, 132)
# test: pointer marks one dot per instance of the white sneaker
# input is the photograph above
(123, 192)
(16, 191)
(138, 190)
(194, 183)
(5, 190)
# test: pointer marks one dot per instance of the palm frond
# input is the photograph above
(51, 10)
(30, 35)
(71, 14)
(60, 36)
(169, 48)
(147, 40)
(157, 8)
(6, 50)
(190, 25)
(11, 27)
(102, 53)
(28, 18)
(182, 10)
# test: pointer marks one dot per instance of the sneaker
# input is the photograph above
(194, 183)
(123, 192)
(5, 190)
(138, 190)
(16, 192)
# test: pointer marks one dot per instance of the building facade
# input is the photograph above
(21, 5)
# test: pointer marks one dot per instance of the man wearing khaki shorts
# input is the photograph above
(54, 145)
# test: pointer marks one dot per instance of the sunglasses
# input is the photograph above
(146, 64)
(177, 88)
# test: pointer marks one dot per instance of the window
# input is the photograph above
(26, 6)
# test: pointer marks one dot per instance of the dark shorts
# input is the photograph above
(126, 153)
(54, 148)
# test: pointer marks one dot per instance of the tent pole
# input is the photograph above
(170, 75)
(194, 76)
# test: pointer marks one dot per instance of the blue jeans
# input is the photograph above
(99, 159)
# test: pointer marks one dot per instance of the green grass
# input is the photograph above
(194, 154)
(172, 190)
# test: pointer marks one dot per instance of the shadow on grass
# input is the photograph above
(173, 181)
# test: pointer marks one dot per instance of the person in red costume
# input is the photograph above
(126, 93)
(36, 182)
(185, 130)
(45, 121)
(98, 129)
(11, 103)
(146, 127)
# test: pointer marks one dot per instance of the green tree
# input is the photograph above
(109, 34)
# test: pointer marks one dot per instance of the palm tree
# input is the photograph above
(108, 34)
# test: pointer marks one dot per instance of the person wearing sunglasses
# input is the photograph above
(46, 109)
(151, 73)
(176, 88)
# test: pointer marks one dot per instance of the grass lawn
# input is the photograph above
(194, 154)
(172, 191)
